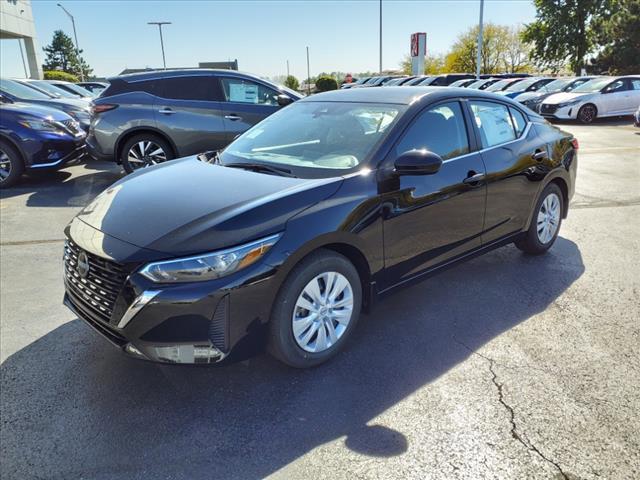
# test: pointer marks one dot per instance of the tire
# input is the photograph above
(295, 346)
(536, 241)
(587, 113)
(11, 165)
(143, 146)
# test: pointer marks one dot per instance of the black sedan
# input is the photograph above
(310, 216)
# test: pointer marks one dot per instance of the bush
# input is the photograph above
(60, 75)
(326, 83)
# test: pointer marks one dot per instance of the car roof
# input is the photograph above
(155, 74)
(401, 95)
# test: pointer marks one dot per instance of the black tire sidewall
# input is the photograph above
(282, 343)
(17, 164)
(140, 138)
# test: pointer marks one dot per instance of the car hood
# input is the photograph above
(65, 104)
(189, 206)
(526, 96)
(565, 97)
(37, 111)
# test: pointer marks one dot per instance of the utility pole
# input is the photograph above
(287, 68)
(308, 74)
(75, 35)
(380, 36)
(160, 24)
(479, 59)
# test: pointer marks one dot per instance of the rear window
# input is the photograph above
(201, 87)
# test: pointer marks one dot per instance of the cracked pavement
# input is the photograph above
(506, 367)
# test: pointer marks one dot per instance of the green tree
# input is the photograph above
(61, 55)
(618, 35)
(60, 75)
(292, 82)
(464, 52)
(324, 83)
(516, 53)
(433, 64)
(563, 30)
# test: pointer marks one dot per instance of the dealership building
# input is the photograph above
(16, 23)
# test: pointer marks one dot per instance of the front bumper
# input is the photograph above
(55, 152)
(563, 113)
(94, 150)
(200, 322)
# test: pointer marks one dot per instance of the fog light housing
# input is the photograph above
(132, 350)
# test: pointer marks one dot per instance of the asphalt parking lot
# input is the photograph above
(507, 367)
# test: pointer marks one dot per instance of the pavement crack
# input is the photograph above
(515, 431)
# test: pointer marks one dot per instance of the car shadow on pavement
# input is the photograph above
(73, 406)
(58, 188)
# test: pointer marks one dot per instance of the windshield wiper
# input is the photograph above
(211, 156)
(261, 167)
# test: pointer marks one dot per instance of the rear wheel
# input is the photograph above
(316, 310)
(587, 113)
(144, 150)
(11, 165)
(545, 223)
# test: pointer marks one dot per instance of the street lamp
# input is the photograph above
(160, 24)
(479, 53)
(75, 35)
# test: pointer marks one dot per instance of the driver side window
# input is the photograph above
(244, 91)
(617, 86)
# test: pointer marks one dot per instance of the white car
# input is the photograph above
(600, 97)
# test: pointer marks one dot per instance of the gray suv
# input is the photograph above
(146, 118)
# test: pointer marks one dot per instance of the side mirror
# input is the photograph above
(284, 100)
(4, 99)
(418, 162)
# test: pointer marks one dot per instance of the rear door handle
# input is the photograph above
(167, 111)
(473, 178)
(539, 155)
(233, 117)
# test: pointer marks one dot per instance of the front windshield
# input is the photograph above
(22, 91)
(315, 135)
(55, 91)
(459, 83)
(477, 84)
(556, 85)
(427, 81)
(372, 80)
(83, 92)
(521, 85)
(575, 84)
(594, 85)
(496, 87)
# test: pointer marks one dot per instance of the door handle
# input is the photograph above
(474, 178)
(539, 154)
(167, 111)
(233, 117)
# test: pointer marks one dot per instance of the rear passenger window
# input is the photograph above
(440, 129)
(205, 88)
(243, 91)
(519, 122)
(635, 83)
(494, 122)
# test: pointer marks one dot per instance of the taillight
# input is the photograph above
(102, 107)
(574, 142)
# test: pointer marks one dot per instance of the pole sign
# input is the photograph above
(418, 52)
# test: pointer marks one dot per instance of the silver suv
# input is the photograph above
(147, 118)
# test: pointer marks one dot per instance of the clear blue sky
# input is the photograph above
(262, 35)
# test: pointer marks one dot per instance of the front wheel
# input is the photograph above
(587, 113)
(11, 165)
(545, 224)
(144, 150)
(316, 310)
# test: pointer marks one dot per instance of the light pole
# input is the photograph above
(75, 35)
(160, 24)
(380, 36)
(308, 74)
(479, 59)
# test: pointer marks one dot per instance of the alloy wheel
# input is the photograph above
(548, 218)
(322, 312)
(587, 114)
(144, 154)
(5, 166)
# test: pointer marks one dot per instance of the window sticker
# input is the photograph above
(243, 92)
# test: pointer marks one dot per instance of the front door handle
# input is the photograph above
(474, 178)
(233, 117)
(539, 154)
(167, 111)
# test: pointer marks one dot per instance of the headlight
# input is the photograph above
(209, 266)
(41, 125)
(568, 104)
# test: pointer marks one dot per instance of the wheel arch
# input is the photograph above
(126, 135)
(10, 141)
(589, 103)
(564, 188)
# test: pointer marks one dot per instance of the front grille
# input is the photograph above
(72, 126)
(219, 326)
(97, 291)
(547, 108)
